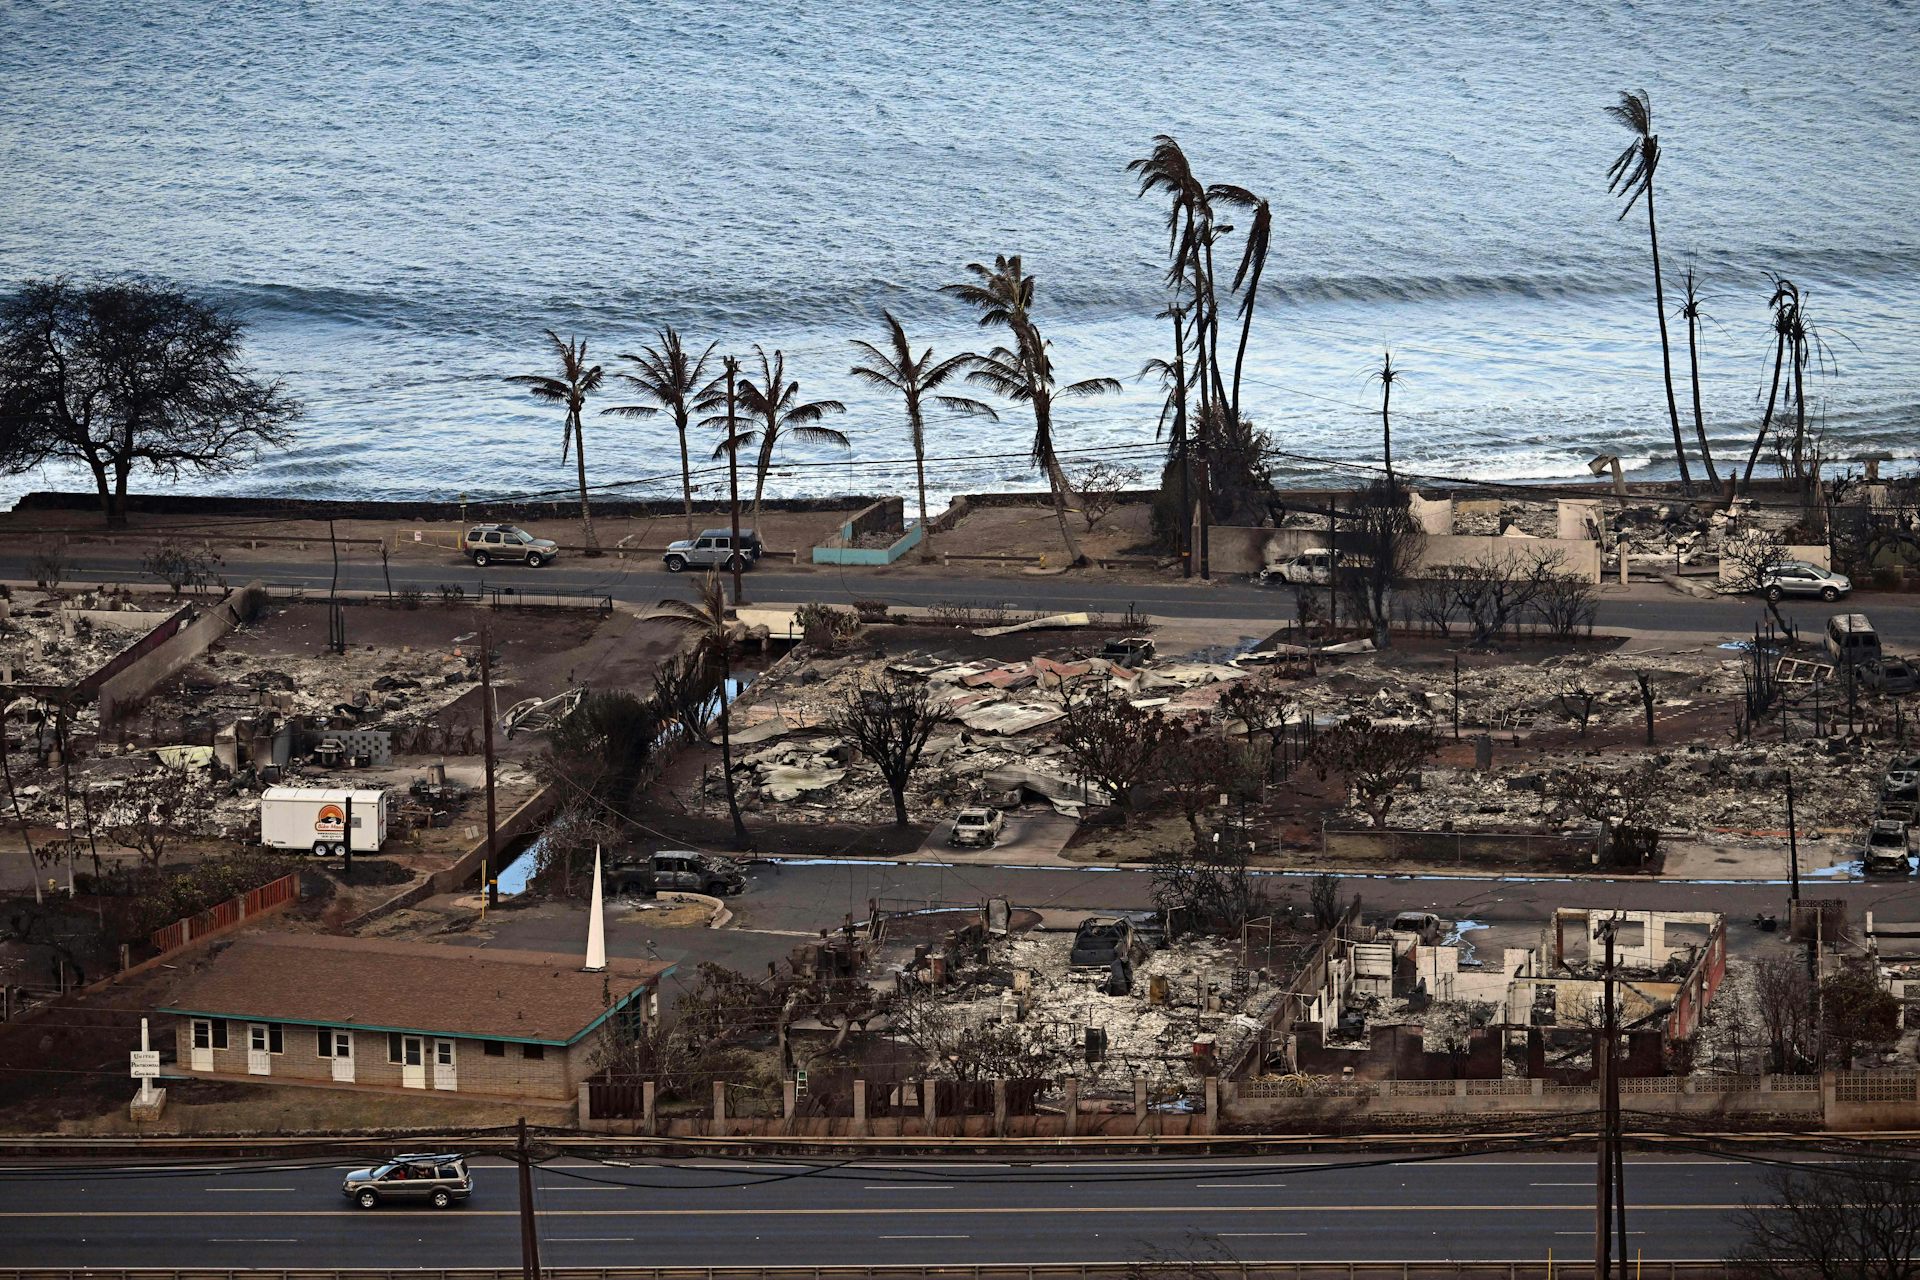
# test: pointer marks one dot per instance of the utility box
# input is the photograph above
(315, 819)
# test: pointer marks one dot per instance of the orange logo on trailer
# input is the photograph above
(331, 820)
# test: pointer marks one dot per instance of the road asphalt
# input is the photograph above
(1640, 608)
(731, 1213)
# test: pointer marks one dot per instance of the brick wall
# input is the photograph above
(554, 1076)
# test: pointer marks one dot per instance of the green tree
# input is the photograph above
(119, 378)
(576, 381)
(1631, 176)
(705, 617)
(674, 380)
(915, 379)
(773, 405)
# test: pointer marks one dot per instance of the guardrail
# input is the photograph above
(1646, 1269)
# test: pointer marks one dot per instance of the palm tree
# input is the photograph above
(1784, 304)
(1023, 372)
(1253, 262)
(1631, 176)
(576, 382)
(898, 370)
(1386, 375)
(1691, 311)
(705, 617)
(1173, 381)
(671, 379)
(773, 404)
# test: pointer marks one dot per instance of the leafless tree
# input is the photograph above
(1381, 542)
(1625, 804)
(889, 720)
(1376, 760)
(180, 564)
(1856, 1221)
(1209, 882)
(1199, 769)
(1264, 706)
(1784, 995)
(1323, 896)
(1856, 1014)
(1566, 602)
(1493, 591)
(148, 815)
(1436, 597)
(1749, 561)
(47, 561)
(1099, 486)
(1114, 743)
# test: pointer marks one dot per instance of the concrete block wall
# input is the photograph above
(140, 678)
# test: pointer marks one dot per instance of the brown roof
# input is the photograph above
(378, 985)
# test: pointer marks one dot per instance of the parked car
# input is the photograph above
(439, 1180)
(1312, 567)
(1798, 578)
(707, 873)
(1893, 676)
(977, 828)
(1100, 940)
(486, 543)
(1852, 641)
(1887, 848)
(1901, 784)
(713, 549)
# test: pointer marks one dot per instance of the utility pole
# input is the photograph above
(1793, 853)
(529, 1229)
(486, 737)
(1610, 1186)
(346, 866)
(733, 478)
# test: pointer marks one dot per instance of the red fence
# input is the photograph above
(225, 914)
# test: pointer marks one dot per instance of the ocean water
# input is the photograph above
(402, 196)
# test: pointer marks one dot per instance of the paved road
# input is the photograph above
(1640, 607)
(726, 1214)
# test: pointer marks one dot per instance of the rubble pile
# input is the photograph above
(1212, 1009)
(989, 750)
(49, 639)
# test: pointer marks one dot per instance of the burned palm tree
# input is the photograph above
(576, 381)
(1631, 176)
(916, 378)
(1784, 306)
(1386, 375)
(671, 379)
(705, 618)
(1021, 370)
(774, 408)
(1253, 262)
(1691, 312)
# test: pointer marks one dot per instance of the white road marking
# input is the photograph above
(1589, 1234)
(253, 1240)
(231, 1190)
(1559, 1184)
(1210, 1186)
(590, 1240)
(926, 1237)
(544, 1187)
(1259, 1235)
(928, 1187)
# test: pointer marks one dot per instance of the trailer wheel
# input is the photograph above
(320, 848)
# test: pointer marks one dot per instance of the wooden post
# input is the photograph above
(999, 1108)
(718, 1127)
(1073, 1106)
(649, 1112)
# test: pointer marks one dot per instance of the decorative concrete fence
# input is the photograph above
(270, 896)
(887, 516)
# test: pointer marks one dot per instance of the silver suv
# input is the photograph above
(486, 543)
(439, 1180)
(713, 549)
(1798, 578)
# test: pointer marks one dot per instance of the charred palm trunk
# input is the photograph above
(1766, 419)
(1693, 373)
(1246, 333)
(1180, 444)
(1056, 477)
(1666, 347)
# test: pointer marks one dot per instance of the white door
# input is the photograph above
(200, 1058)
(343, 1057)
(413, 1062)
(445, 1074)
(259, 1052)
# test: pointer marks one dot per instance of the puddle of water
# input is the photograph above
(519, 868)
(1457, 938)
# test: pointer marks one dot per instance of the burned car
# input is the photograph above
(977, 828)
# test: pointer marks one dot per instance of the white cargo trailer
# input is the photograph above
(315, 819)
